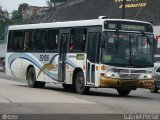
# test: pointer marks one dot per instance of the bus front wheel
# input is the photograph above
(31, 77)
(80, 84)
(154, 90)
(123, 92)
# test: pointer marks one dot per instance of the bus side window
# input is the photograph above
(52, 41)
(9, 47)
(29, 42)
(15, 41)
(39, 41)
(77, 40)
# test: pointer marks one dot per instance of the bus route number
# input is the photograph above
(44, 57)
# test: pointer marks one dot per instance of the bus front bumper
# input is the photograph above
(117, 83)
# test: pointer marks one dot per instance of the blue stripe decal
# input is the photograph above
(27, 57)
(13, 57)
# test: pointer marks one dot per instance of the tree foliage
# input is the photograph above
(2, 23)
(16, 17)
(23, 6)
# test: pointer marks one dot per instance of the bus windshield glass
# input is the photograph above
(127, 49)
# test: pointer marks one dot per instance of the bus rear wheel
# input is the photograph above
(31, 77)
(80, 84)
(123, 92)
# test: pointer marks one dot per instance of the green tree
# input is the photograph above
(16, 17)
(2, 23)
(23, 6)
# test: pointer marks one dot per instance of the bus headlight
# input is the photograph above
(146, 76)
(108, 74)
(111, 75)
(150, 76)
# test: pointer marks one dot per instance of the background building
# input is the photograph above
(32, 11)
(147, 10)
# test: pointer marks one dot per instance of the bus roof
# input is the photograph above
(94, 22)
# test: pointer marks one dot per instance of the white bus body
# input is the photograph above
(62, 66)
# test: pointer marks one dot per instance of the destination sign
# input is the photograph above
(128, 26)
(132, 27)
(132, 3)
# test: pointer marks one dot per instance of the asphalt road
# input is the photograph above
(17, 98)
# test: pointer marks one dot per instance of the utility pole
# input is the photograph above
(123, 9)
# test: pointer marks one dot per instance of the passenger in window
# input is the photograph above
(71, 46)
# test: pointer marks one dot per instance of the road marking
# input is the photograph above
(6, 100)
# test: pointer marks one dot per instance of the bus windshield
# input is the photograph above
(127, 49)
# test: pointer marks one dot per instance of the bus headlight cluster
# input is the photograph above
(146, 76)
(150, 76)
(110, 74)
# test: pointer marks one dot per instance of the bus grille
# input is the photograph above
(129, 76)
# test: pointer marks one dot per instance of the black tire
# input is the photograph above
(31, 77)
(80, 84)
(154, 90)
(68, 87)
(123, 92)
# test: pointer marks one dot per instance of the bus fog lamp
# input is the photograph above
(108, 74)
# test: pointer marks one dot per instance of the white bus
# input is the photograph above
(99, 53)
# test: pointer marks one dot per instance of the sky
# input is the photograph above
(11, 5)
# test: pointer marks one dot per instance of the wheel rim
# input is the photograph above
(31, 77)
(80, 83)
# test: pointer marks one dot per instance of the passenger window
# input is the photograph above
(77, 40)
(39, 40)
(52, 41)
(28, 40)
(15, 41)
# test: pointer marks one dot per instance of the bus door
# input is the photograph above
(93, 54)
(63, 45)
